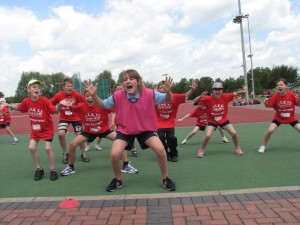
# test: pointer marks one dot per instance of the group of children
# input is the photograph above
(133, 117)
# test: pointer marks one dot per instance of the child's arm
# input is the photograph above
(193, 87)
(64, 102)
(9, 106)
(203, 94)
(113, 119)
(181, 119)
(92, 89)
(242, 92)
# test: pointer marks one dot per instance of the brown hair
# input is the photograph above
(283, 80)
(116, 85)
(68, 80)
(132, 74)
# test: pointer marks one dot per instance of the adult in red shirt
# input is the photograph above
(166, 118)
(5, 121)
(283, 102)
(67, 116)
(217, 108)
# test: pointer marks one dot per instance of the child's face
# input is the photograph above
(161, 89)
(34, 90)
(130, 85)
(68, 88)
(88, 98)
(119, 87)
(217, 92)
(281, 87)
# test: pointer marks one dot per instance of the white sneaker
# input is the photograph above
(129, 169)
(261, 149)
(98, 148)
(87, 147)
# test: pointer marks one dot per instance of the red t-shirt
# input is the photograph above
(39, 115)
(166, 112)
(217, 109)
(284, 107)
(66, 111)
(201, 116)
(4, 119)
(94, 120)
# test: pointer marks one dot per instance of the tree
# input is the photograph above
(21, 91)
(1, 94)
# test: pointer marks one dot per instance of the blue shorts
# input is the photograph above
(142, 138)
(91, 137)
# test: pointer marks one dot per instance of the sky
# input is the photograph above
(182, 38)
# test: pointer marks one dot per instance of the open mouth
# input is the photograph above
(129, 87)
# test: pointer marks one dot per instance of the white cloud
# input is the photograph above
(183, 38)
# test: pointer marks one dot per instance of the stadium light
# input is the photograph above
(239, 20)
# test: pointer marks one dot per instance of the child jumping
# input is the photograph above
(39, 109)
(216, 107)
(283, 102)
(133, 105)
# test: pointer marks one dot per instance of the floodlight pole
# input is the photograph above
(238, 19)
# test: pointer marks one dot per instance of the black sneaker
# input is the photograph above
(53, 175)
(174, 158)
(39, 173)
(169, 184)
(114, 184)
(65, 158)
(84, 158)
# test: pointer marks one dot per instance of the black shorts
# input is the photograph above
(4, 125)
(291, 123)
(201, 127)
(142, 138)
(219, 125)
(91, 137)
(63, 125)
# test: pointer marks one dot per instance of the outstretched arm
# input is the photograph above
(193, 87)
(3, 105)
(203, 94)
(242, 92)
(92, 89)
(167, 87)
(181, 119)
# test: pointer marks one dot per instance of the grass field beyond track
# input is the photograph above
(220, 169)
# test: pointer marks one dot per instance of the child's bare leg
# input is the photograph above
(34, 154)
(209, 132)
(117, 148)
(270, 131)
(230, 129)
(49, 151)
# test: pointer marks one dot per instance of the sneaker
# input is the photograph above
(53, 175)
(134, 152)
(39, 173)
(84, 158)
(169, 184)
(114, 184)
(239, 151)
(67, 171)
(129, 169)
(174, 158)
(15, 141)
(65, 158)
(200, 153)
(225, 140)
(98, 148)
(183, 143)
(87, 147)
(261, 149)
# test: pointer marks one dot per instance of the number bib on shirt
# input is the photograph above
(36, 127)
(68, 113)
(1, 119)
(285, 115)
(217, 118)
(164, 116)
(95, 129)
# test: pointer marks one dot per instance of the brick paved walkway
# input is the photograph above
(261, 206)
